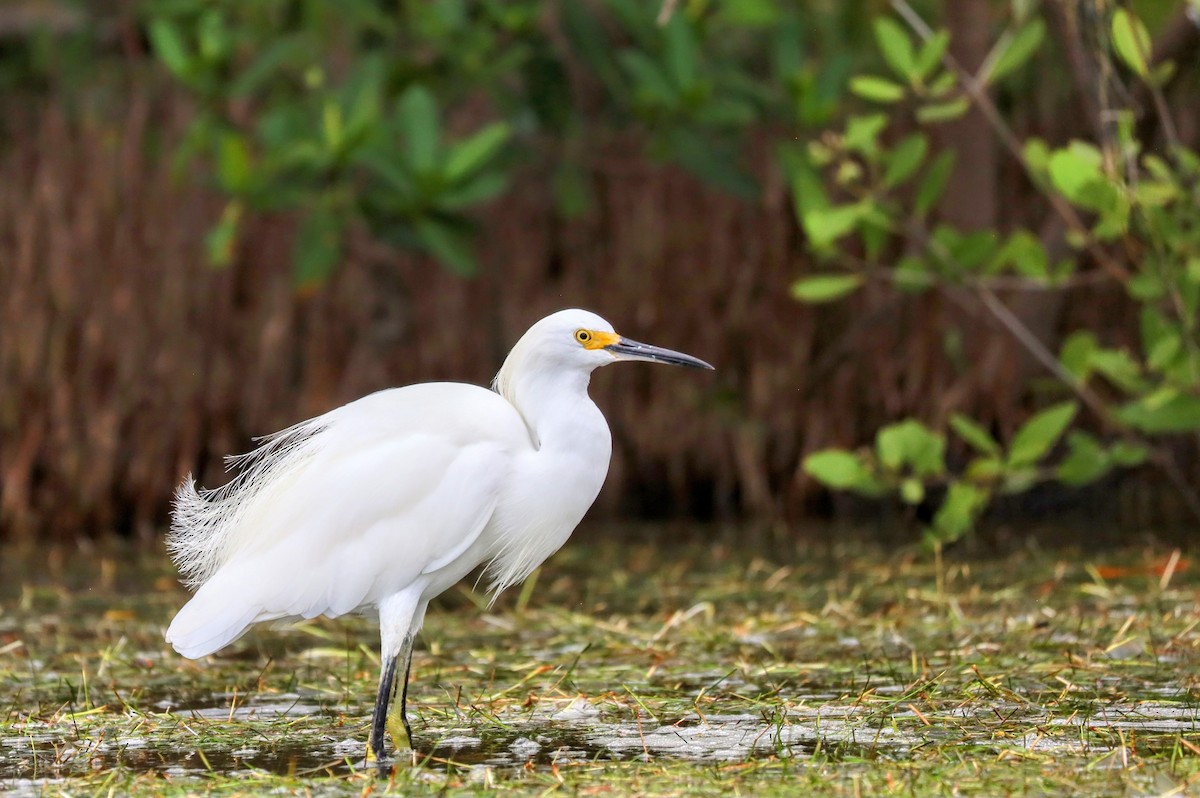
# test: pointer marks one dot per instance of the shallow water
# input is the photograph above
(713, 659)
(575, 730)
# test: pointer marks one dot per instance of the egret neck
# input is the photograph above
(555, 405)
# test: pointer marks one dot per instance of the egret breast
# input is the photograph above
(545, 498)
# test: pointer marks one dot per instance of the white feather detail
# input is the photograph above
(205, 524)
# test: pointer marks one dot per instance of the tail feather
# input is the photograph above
(211, 620)
(208, 526)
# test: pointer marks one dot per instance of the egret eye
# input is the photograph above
(583, 336)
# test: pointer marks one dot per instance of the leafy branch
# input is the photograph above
(1133, 198)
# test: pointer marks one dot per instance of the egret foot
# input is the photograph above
(383, 722)
(404, 724)
(400, 732)
(379, 720)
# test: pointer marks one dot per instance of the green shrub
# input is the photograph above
(1134, 213)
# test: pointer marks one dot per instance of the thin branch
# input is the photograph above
(1083, 66)
(1018, 329)
(1040, 352)
(980, 98)
(1158, 455)
(667, 11)
(1156, 93)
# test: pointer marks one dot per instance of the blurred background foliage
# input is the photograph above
(944, 255)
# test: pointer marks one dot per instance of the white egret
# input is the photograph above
(386, 502)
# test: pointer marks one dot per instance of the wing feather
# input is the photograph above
(343, 511)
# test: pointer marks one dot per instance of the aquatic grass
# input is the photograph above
(845, 670)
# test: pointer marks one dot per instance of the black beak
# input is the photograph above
(626, 349)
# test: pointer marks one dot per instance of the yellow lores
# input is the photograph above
(596, 339)
(384, 503)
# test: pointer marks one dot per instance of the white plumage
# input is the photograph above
(387, 501)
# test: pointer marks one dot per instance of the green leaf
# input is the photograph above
(896, 46)
(808, 192)
(317, 247)
(362, 99)
(587, 40)
(878, 90)
(931, 53)
(752, 13)
(1193, 270)
(451, 247)
(1025, 255)
(212, 35)
(1086, 460)
(233, 163)
(1018, 480)
(1146, 287)
(912, 491)
(726, 113)
(824, 226)
(825, 287)
(1037, 155)
(905, 159)
(1036, 437)
(168, 43)
(973, 249)
(942, 84)
(1018, 49)
(1164, 352)
(1076, 354)
(397, 179)
(874, 232)
(472, 192)
(862, 132)
(220, 241)
(929, 191)
(1161, 74)
(959, 511)
(1119, 368)
(471, 154)
(1127, 454)
(682, 56)
(1161, 339)
(984, 469)
(910, 443)
(1176, 414)
(1074, 169)
(1131, 40)
(974, 434)
(332, 125)
(652, 87)
(1156, 193)
(934, 113)
(912, 275)
(417, 118)
(838, 469)
(270, 61)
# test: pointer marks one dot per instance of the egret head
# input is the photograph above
(578, 341)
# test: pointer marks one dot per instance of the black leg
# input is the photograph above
(379, 721)
(404, 700)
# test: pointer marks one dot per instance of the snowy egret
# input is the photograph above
(385, 502)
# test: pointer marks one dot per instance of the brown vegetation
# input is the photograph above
(126, 361)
